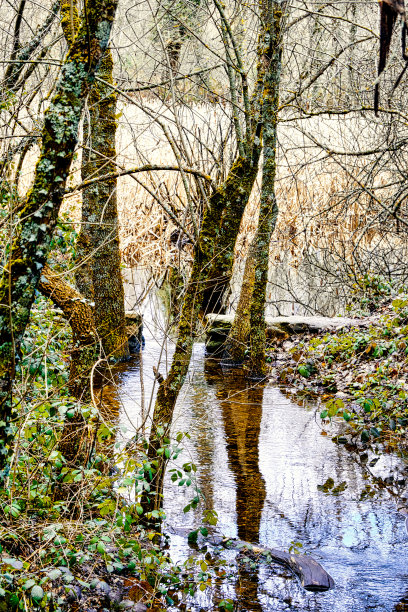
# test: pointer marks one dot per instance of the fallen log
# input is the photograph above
(313, 577)
(218, 327)
(311, 574)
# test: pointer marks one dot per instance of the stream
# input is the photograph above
(260, 457)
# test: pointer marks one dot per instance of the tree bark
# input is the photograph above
(237, 341)
(219, 275)
(227, 196)
(99, 277)
(270, 53)
(31, 244)
(80, 316)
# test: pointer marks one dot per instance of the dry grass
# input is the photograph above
(323, 210)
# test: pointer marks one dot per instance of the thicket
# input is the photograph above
(360, 372)
(195, 105)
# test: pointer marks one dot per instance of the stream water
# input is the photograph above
(260, 458)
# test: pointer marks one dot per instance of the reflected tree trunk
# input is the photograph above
(241, 406)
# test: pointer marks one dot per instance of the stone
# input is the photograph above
(103, 587)
(127, 604)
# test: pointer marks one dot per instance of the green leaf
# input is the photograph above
(192, 537)
(365, 436)
(333, 410)
(27, 585)
(37, 593)
(304, 371)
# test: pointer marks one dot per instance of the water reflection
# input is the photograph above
(241, 405)
(260, 458)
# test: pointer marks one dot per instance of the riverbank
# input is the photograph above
(359, 372)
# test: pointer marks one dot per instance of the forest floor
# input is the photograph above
(359, 373)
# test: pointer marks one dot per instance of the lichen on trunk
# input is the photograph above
(99, 277)
(270, 59)
(32, 241)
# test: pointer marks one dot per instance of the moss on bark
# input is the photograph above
(31, 245)
(80, 316)
(69, 19)
(236, 195)
(100, 277)
(270, 52)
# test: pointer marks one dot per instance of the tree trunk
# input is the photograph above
(227, 196)
(271, 58)
(219, 275)
(31, 244)
(80, 316)
(237, 341)
(99, 278)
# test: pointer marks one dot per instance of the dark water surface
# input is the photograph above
(260, 458)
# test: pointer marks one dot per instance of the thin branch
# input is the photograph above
(136, 170)
(179, 78)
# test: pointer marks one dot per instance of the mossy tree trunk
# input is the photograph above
(237, 341)
(220, 271)
(99, 278)
(226, 196)
(80, 316)
(84, 352)
(31, 244)
(270, 57)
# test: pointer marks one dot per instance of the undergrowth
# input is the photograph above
(361, 371)
(75, 535)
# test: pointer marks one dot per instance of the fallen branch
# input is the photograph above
(312, 575)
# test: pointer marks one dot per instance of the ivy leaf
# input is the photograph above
(304, 371)
(100, 547)
(37, 593)
(14, 563)
(27, 585)
(365, 436)
(192, 537)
